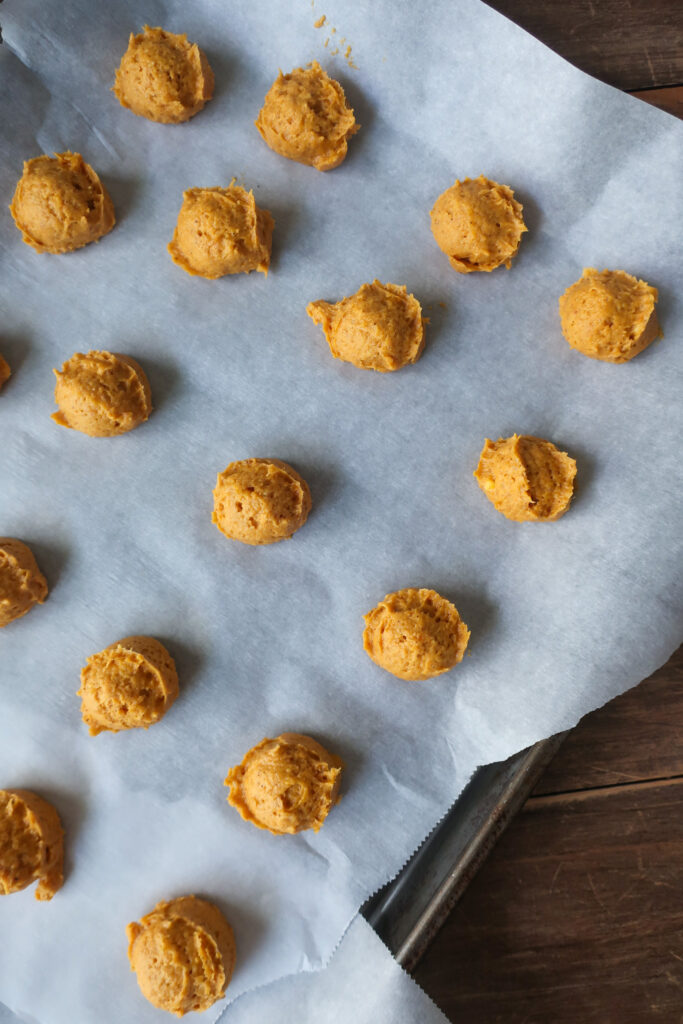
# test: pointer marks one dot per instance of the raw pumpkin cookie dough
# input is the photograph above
(379, 328)
(22, 584)
(102, 394)
(5, 372)
(221, 231)
(163, 77)
(609, 315)
(478, 224)
(415, 634)
(31, 844)
(183, 953)
(60, 204)
(128, 685)
(305, 117)
(286, 785)
(260, 501)
(526, 478)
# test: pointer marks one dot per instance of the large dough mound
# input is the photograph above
(221, 231)
(306, 118)
(609, 315)
(60, 204)
(163, 77)
(31, 844)
(128, 685)
(102, 394)
(22, 584)
(379, 328)
(183, 954)
(260, 501)
(286, 785)
(415, 634)
(478, 224)
(527, 479)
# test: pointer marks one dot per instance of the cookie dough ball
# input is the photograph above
(183, 954)
(260, 501)
(528, 479)
(286, 785)
(128, 685)
(60, 204)
(5, 372)
(379, 328)
(609, 315)
(306, 118)
(31, 844)
(478, 224)
(415, 634)
(102, 394)
(163, 77)
(221, 231)
(22, 584)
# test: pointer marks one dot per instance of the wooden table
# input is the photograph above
(577, 916)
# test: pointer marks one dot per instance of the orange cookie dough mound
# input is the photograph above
(415, 634)
(60, 204)
(379, 328)
(306, 118)
(609, 315)
(22, 584)
(183, 954)
(221, 231)
(286, 785)
(478, 224)
(128, 685)
(260, 501)
(31, 844)
(5, 372)
(163, 77)
(527, 479)
(102, 394)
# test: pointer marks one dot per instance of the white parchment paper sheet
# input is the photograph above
(562, 616)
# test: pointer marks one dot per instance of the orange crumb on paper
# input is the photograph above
(320, 22)
(326, 41)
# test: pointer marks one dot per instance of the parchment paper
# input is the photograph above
(562, 616)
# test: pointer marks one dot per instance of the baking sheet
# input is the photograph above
(562, 616)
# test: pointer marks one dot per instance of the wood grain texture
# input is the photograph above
(670, 100)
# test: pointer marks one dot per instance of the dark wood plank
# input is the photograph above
(670, 100)
(633, 44)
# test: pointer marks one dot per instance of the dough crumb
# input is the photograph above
(478, 224)
(526, 478)
(102, 394)
(31, 844)
(320, 22)
(5, 372)
(22, 584)
(260, 501)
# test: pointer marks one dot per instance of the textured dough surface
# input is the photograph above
(379, 328)
(5, 372)
(129, 685)
(260, 501)
(163, 77)
(609, 315)
(31, 844)
(221, 231)
(478, 224)
(305, 117)
(526, 478)
(60, 204)
(183, 953)
(286, 785)
(102, 394)
(22, 584)
(415, 634)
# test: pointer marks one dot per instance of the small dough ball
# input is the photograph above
(286, 785)
(163, 77)
(609, 315)
(183, 954)
(5, 372)
(379, 328)
(478, 224)
(260, 501)
(22, 584)
(60, 204)
(102, 394)
(128, 685)
(306, 118)
(221, 231)
(415, 634)
(528, 479)
(31, 844)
